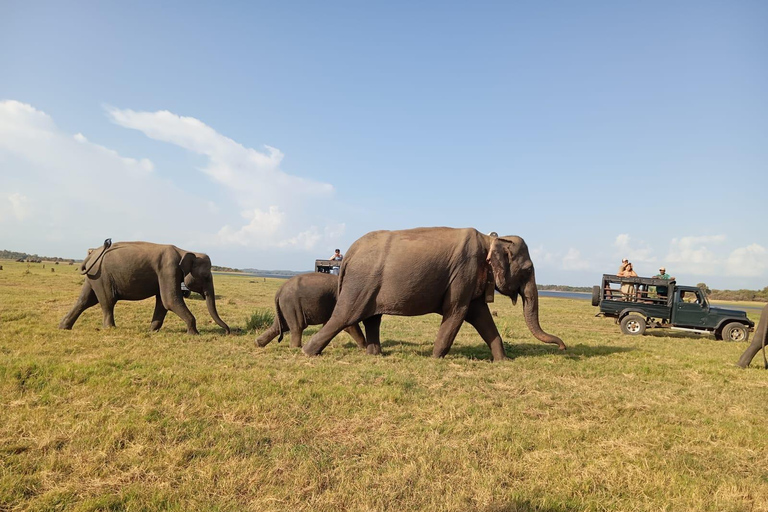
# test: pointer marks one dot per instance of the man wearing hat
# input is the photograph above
(662, 291)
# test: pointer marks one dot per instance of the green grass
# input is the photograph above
(125, 419)
(260, 320)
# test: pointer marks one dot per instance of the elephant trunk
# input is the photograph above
(531, 313)
(210, 301)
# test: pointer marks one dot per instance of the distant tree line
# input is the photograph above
(224, 269)
(32, 258)
(562, 288)
(747, 295)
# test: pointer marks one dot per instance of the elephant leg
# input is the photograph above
(449, 328)
(170, 293)
(269, 334)
(357, 334)
(108, 309)
(159, 315)
(177, 305)
(372, 341)
(480, 317)
(323, 337)
(86, 300)
(296, 334)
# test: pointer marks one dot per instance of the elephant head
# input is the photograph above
(513, 275)
(196, 269)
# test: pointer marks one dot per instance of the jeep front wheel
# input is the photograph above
(634, 325)
(735, 331)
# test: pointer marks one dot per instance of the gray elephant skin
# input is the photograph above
(432, 270)
(306, 299)
(139, 270)
(758, 341)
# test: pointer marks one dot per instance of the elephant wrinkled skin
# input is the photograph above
(758, 342)
(139, 270)
(306, 299)
(432, 270)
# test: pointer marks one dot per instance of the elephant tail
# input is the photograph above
(279, 318)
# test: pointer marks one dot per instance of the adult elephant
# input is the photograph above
(139, 270)
(758, 342)
(306, 299)
(432, 270)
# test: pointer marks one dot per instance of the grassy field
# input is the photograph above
(124, 419)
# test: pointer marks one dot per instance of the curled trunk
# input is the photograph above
(531, 314)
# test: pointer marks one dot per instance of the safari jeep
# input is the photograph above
(644, 302)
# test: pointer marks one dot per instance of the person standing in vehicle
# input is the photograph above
(623, 266)
(662, 291)
(628, 289)
(337, 256)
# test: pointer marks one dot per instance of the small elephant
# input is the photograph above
(306, 299)
(433, 270)
(139, 270)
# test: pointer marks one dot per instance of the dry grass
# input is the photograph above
(128, 420)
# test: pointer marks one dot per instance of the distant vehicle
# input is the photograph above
(327, 266)
(185, 292)
(659, 303)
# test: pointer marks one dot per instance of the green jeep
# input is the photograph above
(640, 303)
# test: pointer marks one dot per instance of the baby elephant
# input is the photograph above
(306, 299)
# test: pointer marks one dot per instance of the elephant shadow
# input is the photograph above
(528, 506)
(480, 350)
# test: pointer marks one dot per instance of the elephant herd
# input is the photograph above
(412, 272)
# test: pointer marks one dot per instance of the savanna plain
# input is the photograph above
(125, 419)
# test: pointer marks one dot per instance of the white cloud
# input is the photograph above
(750, 261)
(19, 205)
(63, 189)
(573, 261)
(279, 206)
(636, 252)
(694, 254)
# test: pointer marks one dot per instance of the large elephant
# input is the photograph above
(306, 299)
(758, 342)
(139, 270)
(432, 270)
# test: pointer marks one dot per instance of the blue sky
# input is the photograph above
(268, 134)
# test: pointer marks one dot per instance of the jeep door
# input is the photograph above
(691, 309)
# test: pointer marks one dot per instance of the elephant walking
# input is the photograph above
(139, 270)
(306, 299)
(432, 270)
(758, 342)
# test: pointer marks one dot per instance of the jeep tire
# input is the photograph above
(735, 331)
(595, 295)
(633, 324)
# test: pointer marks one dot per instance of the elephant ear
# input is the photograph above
(187, 262)
(510, 264)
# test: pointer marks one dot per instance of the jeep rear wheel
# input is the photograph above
(735, 331)
(633, 324)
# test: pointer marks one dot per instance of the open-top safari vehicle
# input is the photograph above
(640, 303)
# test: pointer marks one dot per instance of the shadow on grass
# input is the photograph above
(527, 506)
(481, 351)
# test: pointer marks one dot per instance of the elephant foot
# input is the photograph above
(373, 349)
(192, 332)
